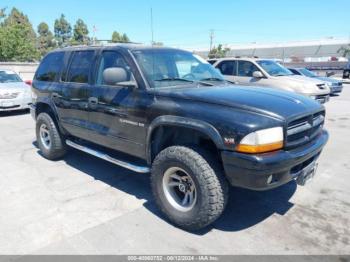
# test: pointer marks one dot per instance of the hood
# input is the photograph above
(303, 85)
(301, 79)
(267, 101)
(17, 87)
(327, 79)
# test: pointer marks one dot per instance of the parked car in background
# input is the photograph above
(335, 86)
(170, 113)
(269, 73)
(346, 72)
(14, 93)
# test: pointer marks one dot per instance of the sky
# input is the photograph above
(187, 23)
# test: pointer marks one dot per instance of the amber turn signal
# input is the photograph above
(254, 149)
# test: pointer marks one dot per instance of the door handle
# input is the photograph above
(93, 100)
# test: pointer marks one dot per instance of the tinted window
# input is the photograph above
(112, 59)
(246, 68)
(228, 68)
(294, 71)
(80, 65)
(50, 67)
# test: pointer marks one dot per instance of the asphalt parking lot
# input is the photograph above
(83, 205)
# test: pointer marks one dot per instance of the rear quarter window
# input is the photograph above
(50, 67)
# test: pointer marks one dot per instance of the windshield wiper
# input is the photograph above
(183, 80)
(174, 79)
(212, 79)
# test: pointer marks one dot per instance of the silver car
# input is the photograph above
(336, 86)
(14, 93)
(269, 73)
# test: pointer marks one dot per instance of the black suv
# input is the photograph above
(170, 113)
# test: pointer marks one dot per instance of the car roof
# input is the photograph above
(251, 59)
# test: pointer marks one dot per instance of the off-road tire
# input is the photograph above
(58, 147)
(207, 175)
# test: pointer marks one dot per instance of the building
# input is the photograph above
(296, 51)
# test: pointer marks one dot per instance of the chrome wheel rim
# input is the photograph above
(179, 189)
(45, 136)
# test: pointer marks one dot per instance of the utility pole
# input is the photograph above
(211, 36)
(152, 31)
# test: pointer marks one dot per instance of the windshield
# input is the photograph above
(171, 68)
(273, 68)
(307, 73)
(9, 77)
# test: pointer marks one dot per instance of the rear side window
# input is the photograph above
(80, 66)
(228, 68)
(50, 67)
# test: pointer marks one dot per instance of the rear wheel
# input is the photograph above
(49, 139)
(189, 187)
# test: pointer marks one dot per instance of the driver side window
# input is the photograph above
(112, 59)
(246, 68)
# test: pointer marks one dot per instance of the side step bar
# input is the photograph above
(138, 169)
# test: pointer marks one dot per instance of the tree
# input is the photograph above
(63, 31)
(118, 38)
(46, 40)
(218, 52)
(345, 51)
(2, 13)
(17, 37)
(81, 33)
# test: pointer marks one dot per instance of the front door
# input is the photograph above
(117, 111)
(245, 70)
(228, 69)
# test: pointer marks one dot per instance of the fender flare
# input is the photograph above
(48, 102)
(169, 120)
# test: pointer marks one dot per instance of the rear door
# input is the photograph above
(72, 101)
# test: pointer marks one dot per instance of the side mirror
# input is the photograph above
(258, 74)
(117, 76)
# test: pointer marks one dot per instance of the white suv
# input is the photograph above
(268, 73)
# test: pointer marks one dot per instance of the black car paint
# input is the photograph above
(124, 118)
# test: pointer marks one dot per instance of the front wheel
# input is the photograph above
(49, 138)
(189, 187)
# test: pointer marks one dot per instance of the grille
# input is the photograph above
(9, 95)
(305, 129)
(337, 84)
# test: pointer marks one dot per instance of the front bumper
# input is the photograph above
(15, 104)
(336, 89)
(253, 171)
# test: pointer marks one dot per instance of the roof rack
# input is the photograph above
(103, 43)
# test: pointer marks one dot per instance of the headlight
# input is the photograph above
(261, 141)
